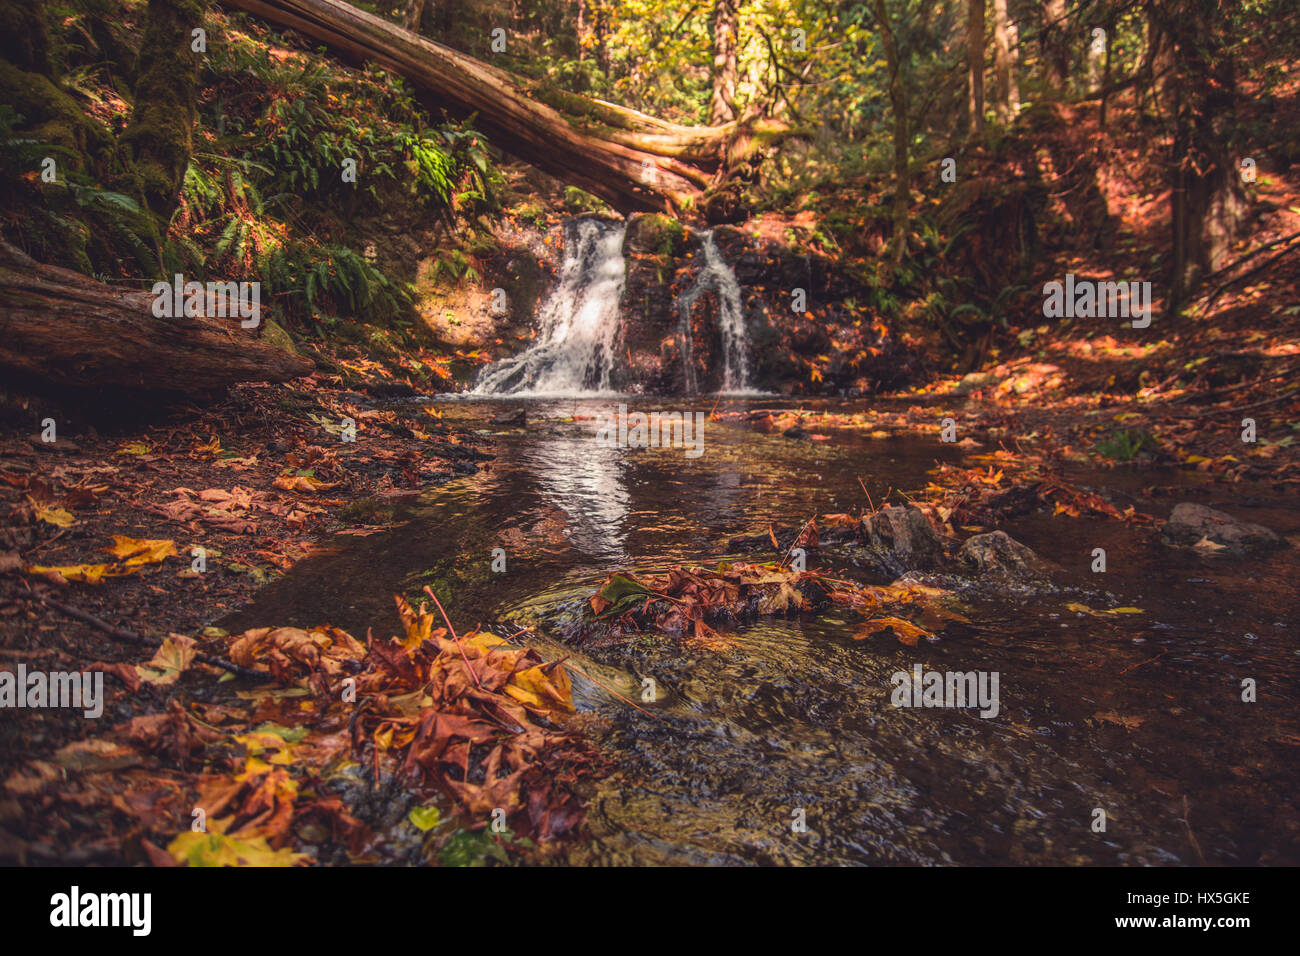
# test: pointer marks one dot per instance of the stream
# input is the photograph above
(1137, 714)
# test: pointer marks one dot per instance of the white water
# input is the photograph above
(573, 353)
(716, 276)
(579, 323)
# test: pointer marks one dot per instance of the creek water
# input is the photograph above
(1137, 714)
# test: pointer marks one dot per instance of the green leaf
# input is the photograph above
(425, 818)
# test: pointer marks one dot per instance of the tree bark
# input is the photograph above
(722, 106)
(1007, 90)
(898, 106)
(1051, 38)
(633, 161)
(975, 64)
(414, 14)
(62, 328)
(160, 135)
(1207, 198)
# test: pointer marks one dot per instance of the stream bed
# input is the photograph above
(1140, 715)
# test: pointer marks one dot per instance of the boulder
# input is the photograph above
(1190, 524)
(906, 534)
(998, 553)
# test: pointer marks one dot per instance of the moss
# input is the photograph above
(273, 334)
(24, 36)
(53, 117)
(662, 235)
(160, 135)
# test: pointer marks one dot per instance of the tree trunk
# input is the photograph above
(1207, 199)
(1007, 91)
(722, 106)
(975, 64)
(898, 106)
(1157, 65)
(160, 135)
(62, 328)
(631, 160)
(414, 14)
(1055, 51)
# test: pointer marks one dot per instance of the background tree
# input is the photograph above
(722, 105)
(975, 64)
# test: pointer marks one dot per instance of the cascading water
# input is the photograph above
(579, 323)
(716, 276)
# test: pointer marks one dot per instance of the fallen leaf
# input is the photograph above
(302, 483)
(172, 658)
(86, 573)
(906, 632)
(424, 818)
(133, 552)
(216, 849)
(59, 517)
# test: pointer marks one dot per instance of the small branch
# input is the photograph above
(468, 666)
(133, 638)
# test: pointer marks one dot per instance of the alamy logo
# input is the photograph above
(215, 300)
(951, 689)
(103, 909)
(654, 430)
(1086, 299)
(84, 691)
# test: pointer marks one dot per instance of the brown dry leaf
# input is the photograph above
(322, 649)
(170, 661)
(784, 598)
(906, 632)
(95, 756)
(32, 779)
(302, 483)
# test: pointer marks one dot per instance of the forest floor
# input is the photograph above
(117, 535)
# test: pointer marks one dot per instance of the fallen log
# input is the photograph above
(632, 160)
(60, 327)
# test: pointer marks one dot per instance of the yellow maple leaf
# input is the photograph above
(214, 848)
(86, 573)
(133, 552)
(538, 688)
(59, 517)
(170, 661)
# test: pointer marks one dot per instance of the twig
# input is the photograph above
(429, 591)
(1250, 272)
(88, 618)
(796, 540)
(616, 693)
(867, 493)
(1191, 837)
(1133, 667)
(133, 638)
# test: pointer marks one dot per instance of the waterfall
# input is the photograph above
(716, 276)
(573, 353)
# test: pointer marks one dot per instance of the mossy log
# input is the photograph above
(61, 328)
